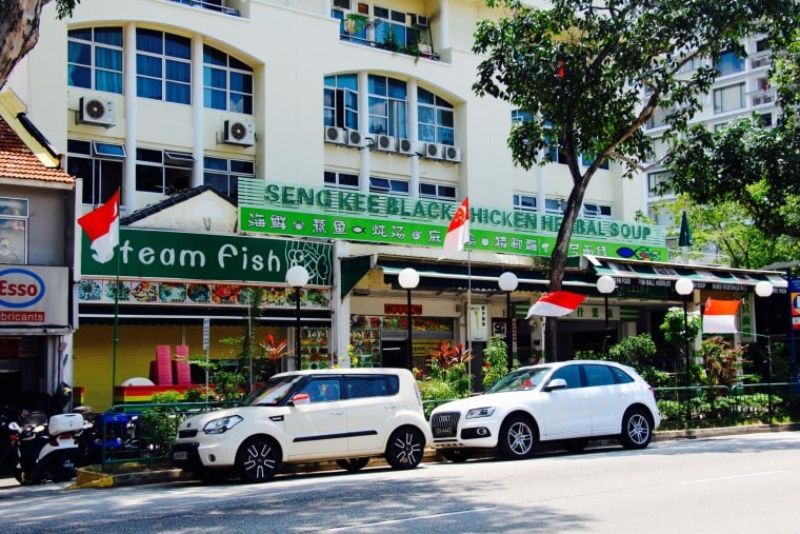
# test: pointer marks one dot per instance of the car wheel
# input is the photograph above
(457, 456)
(405, 448)
(352, 464)
(258, 459)
(637, 429)
(574, 445)
(518, 437)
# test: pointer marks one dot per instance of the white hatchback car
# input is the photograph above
(571, 402)
(348, 415)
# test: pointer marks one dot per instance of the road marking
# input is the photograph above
(733, 476)
(416, 518)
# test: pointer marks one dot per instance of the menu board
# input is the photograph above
(314, 350)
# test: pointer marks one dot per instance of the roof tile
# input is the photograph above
(17, 161)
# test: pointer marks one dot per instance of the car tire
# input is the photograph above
(352, 464)
(637, 429)
(405, 448)
(575, 445)
(518, 438)
(258, 459)
(457, 456)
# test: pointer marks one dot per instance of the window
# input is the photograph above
(588, 159)
(322, 389)
(100, 166)
(597, 211)
(155, 175)
(729, 98)
(360, 387)
(163, 66)
(227, 82)
(391, 31)
(94, 59)
(689, 67)
(658, 118)
(442, 192)
(435, 116)
(387, 106)
(223, 174)
(571, 374)
(763, 45)
(524, 202)
(620, 376)
(518, 116)
(598, 375)
(387, 185)
(554, 206)
(341, 180)
(765, 120)
(13, 230)
(341, 101)
(658, 183)
(729, 63)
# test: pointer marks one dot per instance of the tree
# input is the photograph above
(19, 29)
(581, 68)
(748, 163)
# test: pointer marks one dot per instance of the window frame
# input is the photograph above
(10, 224)
(653, 181)
(230, 71)
(337, 183)
(92, 67)
(229, 174)
(600, 208)
(437, 108)
(347, 117)
(394, 126)
(165, 169)
(718, 109)
(390, 189)
(100, 164)
(438, 193)
(517, 200)
(164, 59)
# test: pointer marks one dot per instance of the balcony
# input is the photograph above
(220, 6)
(764, 96)
(761, 61)
(394, 36)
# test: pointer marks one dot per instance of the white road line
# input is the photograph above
(415, 518)
(732, 477)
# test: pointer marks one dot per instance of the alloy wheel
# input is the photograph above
(638, 429)
(520, 438)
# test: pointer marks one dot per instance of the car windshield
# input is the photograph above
(519, 380)
(273, 392)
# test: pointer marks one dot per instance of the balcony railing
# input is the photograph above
(761, 61)
(219, 6)
(384, 34)
(764, 96)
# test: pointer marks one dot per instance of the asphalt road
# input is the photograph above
(748, 483)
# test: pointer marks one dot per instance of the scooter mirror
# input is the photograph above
(14, 427)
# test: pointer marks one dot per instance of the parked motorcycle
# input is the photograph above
(46, 450)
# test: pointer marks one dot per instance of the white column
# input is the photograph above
(363, 128)
(444, 25)
(198, 122)
(131, 122)
(413, 136)
(327, 6)
(340, 326)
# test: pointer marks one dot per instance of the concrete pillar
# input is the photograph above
(413, 136)
(198, 122)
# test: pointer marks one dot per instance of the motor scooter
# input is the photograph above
(46, 450)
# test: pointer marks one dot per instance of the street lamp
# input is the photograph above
(409, 279)
(606, 285)
(684, 287)
(764, 290)
(297, 277)
(508, 282)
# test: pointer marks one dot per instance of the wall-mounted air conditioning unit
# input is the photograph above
(353, 138)
(406, 147)
(432, 150)
(452, 154)
(385, 143)
(239, 132)
(96, 111)
(335, 135)
(763, 98)
(420, 21)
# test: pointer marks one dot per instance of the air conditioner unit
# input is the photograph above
(762, 61)
(452, 153)
(96, 111)
(239, 132)
(432, 150)
(385, 143)
(406, 147)
(353, 138)
(420, 21)
(335, 135)
(764, 98)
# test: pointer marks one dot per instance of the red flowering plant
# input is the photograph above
(448, 363)
(273, 349)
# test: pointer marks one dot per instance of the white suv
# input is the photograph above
(570, 402)
(346, 415)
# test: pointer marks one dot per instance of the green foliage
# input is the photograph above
(64, 8)
(228, 382)
(589, 355)
(495, 361)
(677, 331)
(159, 424)
(723, 363)
(634, 351)
(656, 377)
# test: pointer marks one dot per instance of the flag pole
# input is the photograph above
(469, 312)
(116, 323)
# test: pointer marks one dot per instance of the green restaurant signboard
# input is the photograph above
(181, 256)
(292, 210)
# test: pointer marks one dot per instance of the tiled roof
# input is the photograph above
(18, 162)
(177, 198)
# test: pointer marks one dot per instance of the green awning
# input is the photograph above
(353, 269)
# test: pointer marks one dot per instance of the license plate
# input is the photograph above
(180, 455)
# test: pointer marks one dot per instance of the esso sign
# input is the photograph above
(20, 288)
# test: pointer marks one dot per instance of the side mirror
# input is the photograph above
(299, 399)
(556, 383)
(14, 427)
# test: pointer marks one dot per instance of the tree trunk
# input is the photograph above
(19, 32)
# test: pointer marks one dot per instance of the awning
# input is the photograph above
(704, 277)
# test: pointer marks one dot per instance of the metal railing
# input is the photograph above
(211, 6)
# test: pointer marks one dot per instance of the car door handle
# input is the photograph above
(392, 407)
(337, 413)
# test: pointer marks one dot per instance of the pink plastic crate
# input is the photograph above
(161, 372)
(182, 373)
(181, 351)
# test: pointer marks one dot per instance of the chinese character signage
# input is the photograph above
(280, 209)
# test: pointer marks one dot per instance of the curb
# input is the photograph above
(87, 478)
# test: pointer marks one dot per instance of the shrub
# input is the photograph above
(635, 351)
(495, 361)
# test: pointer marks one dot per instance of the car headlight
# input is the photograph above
(223, 424)
(485, 411)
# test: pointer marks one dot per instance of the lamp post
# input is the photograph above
(409, 279)
(508, 282)
(606, 285)
(297, 277)
(684, 287)
(764, 290)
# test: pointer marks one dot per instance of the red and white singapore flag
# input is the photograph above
(556, 304)
(102, 227)
(719, 316)
(458, 231)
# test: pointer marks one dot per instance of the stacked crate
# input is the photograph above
(161, 368)
(180, 366)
